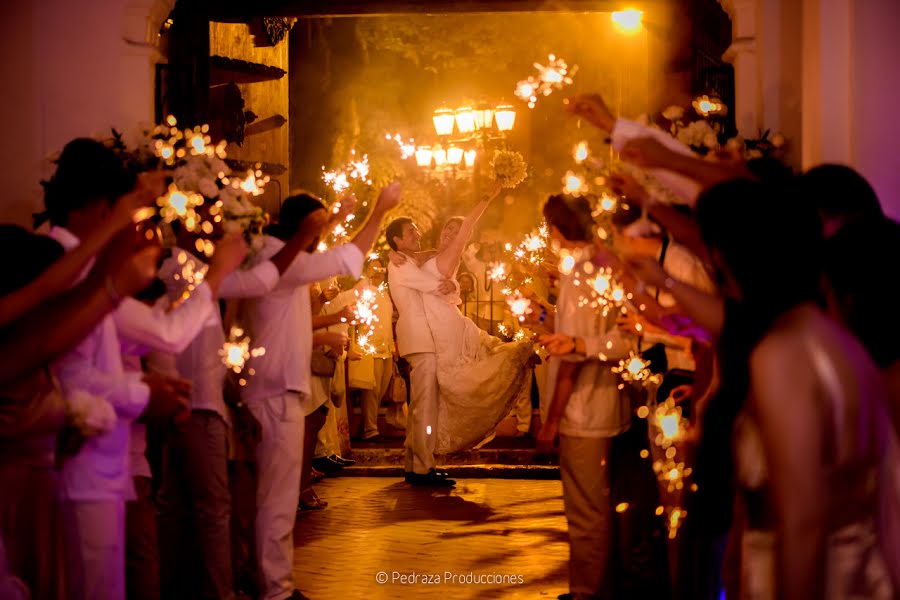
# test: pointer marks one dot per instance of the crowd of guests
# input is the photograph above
(127, 447)
(122, 432)
(767, 290)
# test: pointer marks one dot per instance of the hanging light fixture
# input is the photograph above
(443, 121)
(454, 155)
(423, 156)
(470, 157)
(465, 119)
(440, 156)
(505, 115)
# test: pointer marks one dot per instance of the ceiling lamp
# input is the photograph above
(505, 115)
(423, 156)
(465, 119)
(454, 155)
(443, 121)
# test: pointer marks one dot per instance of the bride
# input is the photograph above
(479, 376)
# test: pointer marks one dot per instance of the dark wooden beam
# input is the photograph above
(243, 10)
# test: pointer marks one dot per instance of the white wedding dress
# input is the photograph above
(480, 377)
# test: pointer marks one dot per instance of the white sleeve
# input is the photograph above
(155, 329)
(307, 268)
(683, 187)
(250, 283)
(76, 371)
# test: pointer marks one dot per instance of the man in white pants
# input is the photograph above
(279, 392)
(407, 283)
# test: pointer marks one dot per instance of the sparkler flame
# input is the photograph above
(554, 76)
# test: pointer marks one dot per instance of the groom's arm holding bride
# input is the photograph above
(408, 274)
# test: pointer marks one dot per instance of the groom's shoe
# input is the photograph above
(430, 479)
(344, 462)
(408, 476)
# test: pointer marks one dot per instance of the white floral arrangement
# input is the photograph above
(200, 177)
(91, 415)
(508, 168)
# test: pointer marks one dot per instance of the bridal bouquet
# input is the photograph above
(508, 168)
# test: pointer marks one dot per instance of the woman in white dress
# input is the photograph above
(480, 377)
(801, 404)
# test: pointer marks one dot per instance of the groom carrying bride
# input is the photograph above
(414, 342)
(464, 381)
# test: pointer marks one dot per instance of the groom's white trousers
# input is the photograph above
(421, 425)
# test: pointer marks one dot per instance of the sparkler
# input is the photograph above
(236, 352)
(407, 148)
(574, 184)
(635, 368)
(497, 272)
(365, 317)
(176, 204)
(519, 305)
(341, 178)
(581, 152)
(554, 76)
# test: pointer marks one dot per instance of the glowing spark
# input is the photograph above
(635, 368)
(497, 272)
(607, 203)
(567, 264)
(236, 351)
(407, 147)
(574, 184)
(621, 507)
(581, 152)
(554, 76)
(519, 305)
(180, 205)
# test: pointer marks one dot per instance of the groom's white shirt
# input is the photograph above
(407, 283)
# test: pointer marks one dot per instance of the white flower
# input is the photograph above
(711, 141)
(673, 113)
(91, 414)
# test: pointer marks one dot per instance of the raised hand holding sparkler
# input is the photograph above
(592, 109)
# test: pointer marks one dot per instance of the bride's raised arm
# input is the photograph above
(448, 258)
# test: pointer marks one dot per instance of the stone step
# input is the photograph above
(468, 471)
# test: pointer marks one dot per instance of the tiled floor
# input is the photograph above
(383, 528)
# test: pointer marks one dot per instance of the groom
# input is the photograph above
(407, 283)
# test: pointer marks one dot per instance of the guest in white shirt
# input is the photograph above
(587, 409)
(96, 482)
(194, 498)
(279, 392)
(169, 329)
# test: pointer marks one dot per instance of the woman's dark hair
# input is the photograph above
(33, 252)
(770, 240)
(395, 229)
(855, 261)
(571, 215)
(293, 211)
(86, 172)
(838, 191)
(769, 170)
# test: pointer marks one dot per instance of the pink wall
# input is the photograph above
(67, 72)
(876, 97)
